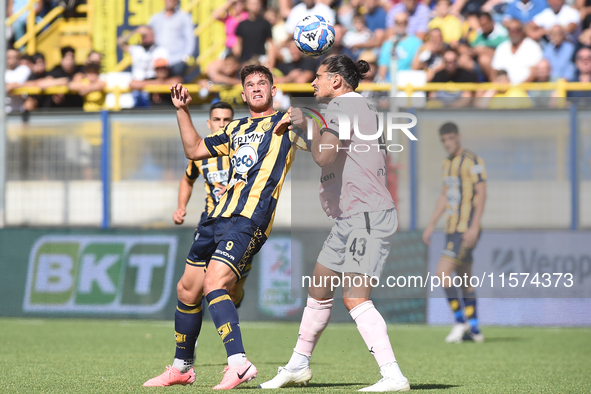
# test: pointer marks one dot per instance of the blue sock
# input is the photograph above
(470, 310)
(454, 303)
(225, 317)
(187, 326)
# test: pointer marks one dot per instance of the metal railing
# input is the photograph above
(561, 87)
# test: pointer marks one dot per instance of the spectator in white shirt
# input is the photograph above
(305, 8)
(559, 14)
(518, 56)
(143, 55)
(14, 76)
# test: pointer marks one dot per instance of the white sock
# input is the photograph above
(392, 370)
(182, 365)
(297, 362)
(237, 359)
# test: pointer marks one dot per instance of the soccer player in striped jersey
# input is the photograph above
(353, 192)
(261, 151)
(462, 199)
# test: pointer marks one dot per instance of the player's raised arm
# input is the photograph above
(192, 143)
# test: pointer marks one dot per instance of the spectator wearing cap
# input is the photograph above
(163, 77)
(418, 17)
(91, 87)
(450, 25)
(143, 55)
(372, 75)
(62, 75)
(557, 13)
(560, 53)
(452, 72)
(524, 10)
(482, 49)
(255, 37)
(306, 8)
(173, 30)
(15, 75)
(405, 47)
(430, 56)
(298, 69)
(518, 56)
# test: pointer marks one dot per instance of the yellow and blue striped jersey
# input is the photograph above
(259, 162)
(461, 173)
(215, 172)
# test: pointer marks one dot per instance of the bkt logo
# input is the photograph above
(109, 274)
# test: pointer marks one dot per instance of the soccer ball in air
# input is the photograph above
(313, 35)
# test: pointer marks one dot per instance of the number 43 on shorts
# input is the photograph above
(365, 254)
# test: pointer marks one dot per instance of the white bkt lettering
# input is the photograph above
(345, 125)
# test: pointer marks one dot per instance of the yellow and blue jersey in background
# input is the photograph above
(461, 173)
(259, 162)
(215, 172)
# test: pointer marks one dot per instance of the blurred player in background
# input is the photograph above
(462, 199)
(352, 191)
(238, 226)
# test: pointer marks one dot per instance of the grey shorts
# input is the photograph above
(361, 243)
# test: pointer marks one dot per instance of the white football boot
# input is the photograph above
(287, 378)
(457, 333)
(392, 380)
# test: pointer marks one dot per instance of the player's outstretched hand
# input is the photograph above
(179, 216)
(180, 96)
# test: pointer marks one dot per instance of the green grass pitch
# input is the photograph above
(116, 356)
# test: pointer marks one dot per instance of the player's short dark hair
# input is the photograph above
(38, 56)
(255, 69)
(448, 128)
(350, 71)
(220, 105)
(67, 49)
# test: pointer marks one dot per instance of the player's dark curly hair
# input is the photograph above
(350, 71)
(255, 69)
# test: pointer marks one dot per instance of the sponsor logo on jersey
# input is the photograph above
(100, 274)
(244, 159)
(251, 138)
(218, 176)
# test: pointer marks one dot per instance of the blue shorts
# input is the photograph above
(233, 241)
(454, 251)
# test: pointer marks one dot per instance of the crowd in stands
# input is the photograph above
(504, 41)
